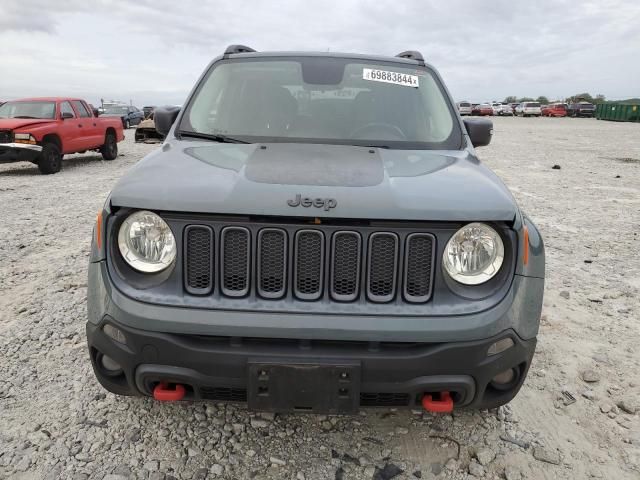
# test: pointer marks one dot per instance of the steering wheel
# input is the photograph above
(393, 129)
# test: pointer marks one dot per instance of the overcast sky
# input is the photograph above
(152, 51)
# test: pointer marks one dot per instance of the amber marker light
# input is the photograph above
(99, 230)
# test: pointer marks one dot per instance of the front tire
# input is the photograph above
(109, 150)
(50, 159)
(127, 124)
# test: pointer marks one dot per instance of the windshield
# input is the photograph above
(28, 110)
(465, 104)
(323, 100)
(116, 110)
(531, 105)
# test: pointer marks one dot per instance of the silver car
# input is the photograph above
(464, 108)
(505, 110)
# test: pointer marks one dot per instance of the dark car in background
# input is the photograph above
(581, 109)
(129, 114)
(148, 111)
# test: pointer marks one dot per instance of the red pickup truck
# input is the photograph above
(43, 130)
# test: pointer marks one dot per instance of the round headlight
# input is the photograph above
(474, 254)
(146, 242)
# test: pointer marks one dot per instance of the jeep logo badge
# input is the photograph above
(325, 203)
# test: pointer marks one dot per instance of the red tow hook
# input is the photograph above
(443, 405)
(164, 393)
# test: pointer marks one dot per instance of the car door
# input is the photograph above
(134, 116)
(87, 130)
(70, 129)
(95, 127)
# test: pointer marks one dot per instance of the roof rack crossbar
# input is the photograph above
(231, 49)
(411, 54)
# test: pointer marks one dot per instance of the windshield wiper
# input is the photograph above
(213, 137)
(24, 116)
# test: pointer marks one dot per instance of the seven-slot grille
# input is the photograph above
(309, 263)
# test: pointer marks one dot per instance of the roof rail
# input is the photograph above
(412, 54)
(231, 49)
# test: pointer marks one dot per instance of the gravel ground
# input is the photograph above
(57, 422)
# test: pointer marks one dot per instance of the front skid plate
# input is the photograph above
(295, 386)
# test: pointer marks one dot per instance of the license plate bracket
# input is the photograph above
(315, 387)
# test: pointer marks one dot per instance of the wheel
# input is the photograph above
(109, 150)
(50, 159)
(127, 124)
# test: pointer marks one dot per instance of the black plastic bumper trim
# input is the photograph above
(207, 364)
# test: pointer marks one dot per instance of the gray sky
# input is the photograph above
(152, 51)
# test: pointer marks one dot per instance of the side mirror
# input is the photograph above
(164, 118)
(66, 115)
(96, 112)
(480, 131)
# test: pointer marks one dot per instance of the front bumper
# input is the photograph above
(386, 374)
(18, 152)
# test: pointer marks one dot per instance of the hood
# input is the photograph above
(337, 181)
(15, 123)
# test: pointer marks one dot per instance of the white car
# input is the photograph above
(496, 107)
(464, 108)
(505, 110)
(529, 109)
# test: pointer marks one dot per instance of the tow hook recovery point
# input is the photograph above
(444, 404)
(165, 392)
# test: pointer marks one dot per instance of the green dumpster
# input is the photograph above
(618, 112)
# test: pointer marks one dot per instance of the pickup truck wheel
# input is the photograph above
(109, 150)
(50, 159)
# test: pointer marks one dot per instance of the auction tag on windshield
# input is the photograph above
(390, 77)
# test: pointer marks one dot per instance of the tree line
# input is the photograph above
(579, 97)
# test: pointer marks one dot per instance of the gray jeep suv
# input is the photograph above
(315, 234)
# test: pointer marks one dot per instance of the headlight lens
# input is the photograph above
(24, 138)
(146, 242)
(474, 254)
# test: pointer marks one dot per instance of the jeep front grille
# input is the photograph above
(309, 263)
(272, 262)
(236, 261)
(199, 259)
(345, 264)
(383, 266)
(5, 136)
(417, 278)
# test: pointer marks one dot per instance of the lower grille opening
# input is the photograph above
(237, 394)
(224, 394)
(384, 399)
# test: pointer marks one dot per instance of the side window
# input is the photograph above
(82, 111)
(65, 107)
